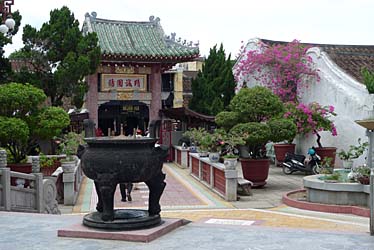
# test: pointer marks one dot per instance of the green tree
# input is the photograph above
(58, 56)
(24, 119)
(5, 67)
(214, 86)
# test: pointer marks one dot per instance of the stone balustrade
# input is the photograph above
(39, 196)
(181, 156)
(35, 192)
(215, 176)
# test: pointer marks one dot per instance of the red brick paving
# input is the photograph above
(175, 194)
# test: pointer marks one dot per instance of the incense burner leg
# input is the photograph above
(156, 187)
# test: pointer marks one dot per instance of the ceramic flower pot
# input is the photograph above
(255, 170)
(281, 150)
(325, 152)
(68, 166)
(214, 157)
(230, 163)
(348, 164)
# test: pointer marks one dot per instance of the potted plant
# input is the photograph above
(254, 107)
(353, 152)
(24, 119)
(326, 167)
(282, 130)
(69, 147)
(48, 164)
(229, 153)
(215, 144)
(362, 174)
(313, 118)
(195, 135)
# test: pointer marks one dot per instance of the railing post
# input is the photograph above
(3, 162)
(39, 192)
(231, 178)
(35, 162)
(5, 181)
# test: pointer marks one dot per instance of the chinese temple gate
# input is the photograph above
(126, 89)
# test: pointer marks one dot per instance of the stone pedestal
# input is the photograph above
(69, 192)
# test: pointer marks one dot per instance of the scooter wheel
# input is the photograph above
(286, 170)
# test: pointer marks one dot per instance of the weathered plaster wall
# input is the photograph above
(349, 97)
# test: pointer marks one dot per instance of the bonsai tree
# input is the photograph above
(227, 119)
(354, 151)
(249, 115)
(194, 134)
(229, 143)
(24, 119)
(312, 118)
(282, 130)
(207, 141)
(362, 174)
(255, 136)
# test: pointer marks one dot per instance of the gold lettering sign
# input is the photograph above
(123, 82)
(130, 108)
(125, 70)
(125, 96)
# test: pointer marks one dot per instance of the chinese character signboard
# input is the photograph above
(123, 82)
(130, 109)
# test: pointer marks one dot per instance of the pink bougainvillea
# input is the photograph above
(280, 67)
(312, 118)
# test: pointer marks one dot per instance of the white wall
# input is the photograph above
(349, 97)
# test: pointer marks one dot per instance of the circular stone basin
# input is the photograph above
(343, 176)
(337, 193)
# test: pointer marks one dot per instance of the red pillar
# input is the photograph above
(155, 87)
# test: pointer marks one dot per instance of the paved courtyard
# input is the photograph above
(259, 221)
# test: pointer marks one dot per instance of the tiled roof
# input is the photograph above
(138, 40)
(350, 58)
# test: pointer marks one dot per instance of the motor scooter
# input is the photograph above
(294, 162)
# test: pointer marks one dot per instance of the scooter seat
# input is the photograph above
(299, 158)
(297, 163)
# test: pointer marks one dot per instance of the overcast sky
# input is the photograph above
(229, 22)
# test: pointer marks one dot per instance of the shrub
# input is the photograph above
(282, 130)
(24, 119)
(253, 107)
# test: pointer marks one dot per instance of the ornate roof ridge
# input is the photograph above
(267, 41)
(350, 58)
(138, 40)
(93, 18)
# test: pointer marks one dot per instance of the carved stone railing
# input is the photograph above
(31, 194)
(181, 156)
(215, 176)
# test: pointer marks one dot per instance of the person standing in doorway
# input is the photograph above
(126, 189)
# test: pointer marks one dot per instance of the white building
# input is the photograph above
(340, 85)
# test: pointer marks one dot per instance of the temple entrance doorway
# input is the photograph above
(129, 114)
